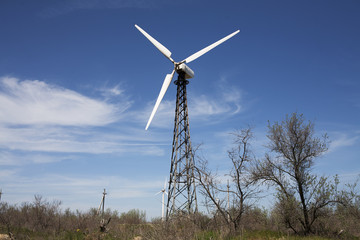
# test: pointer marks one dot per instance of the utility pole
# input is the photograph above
(102, 204)
(228, 200)
(103, 223)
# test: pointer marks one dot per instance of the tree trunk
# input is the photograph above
(307, 228)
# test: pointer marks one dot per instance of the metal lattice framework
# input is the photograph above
(181, 193)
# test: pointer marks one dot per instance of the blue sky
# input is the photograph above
(78, 83)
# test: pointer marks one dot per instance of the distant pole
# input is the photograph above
(0, 193)
(163, 206)
(102, 204)
(228, 200)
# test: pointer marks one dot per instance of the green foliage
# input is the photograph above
(134, 216)
(83, 226)
(207, 235)
(302, 195)
(75, 235)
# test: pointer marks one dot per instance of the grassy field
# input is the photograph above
(45, 220)
(148, 231)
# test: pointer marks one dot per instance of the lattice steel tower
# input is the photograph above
(181, 192)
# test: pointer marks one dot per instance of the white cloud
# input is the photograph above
(46, 119)
(164, 117)
(112, 92)
(342, 140)
(201, 107)
(36, 116)
(231, 94)
(225, 103)
(32, 102)
(350, 177)
(10, 158)
(80, 192)
(70, 185)
(7, 173)
(46, 139)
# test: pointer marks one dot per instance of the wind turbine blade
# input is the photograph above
(205, 50)
(158, 45)
(163, 90)
(166, 193)
(158, 193)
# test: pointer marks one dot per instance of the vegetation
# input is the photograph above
(24, 222)
(307, 206)
(302, 195)
(241, 191)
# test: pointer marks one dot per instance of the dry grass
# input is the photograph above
(43, 220)
(4, 237)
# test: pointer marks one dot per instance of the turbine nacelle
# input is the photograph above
(179, 67)
(182, 67)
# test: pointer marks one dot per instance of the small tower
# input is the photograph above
(101, 208)
(228, 199)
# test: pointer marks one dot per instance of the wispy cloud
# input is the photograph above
(114, 91)
(19, 158)
(37, 116)
(226, 103)
(350, 177)
(342, 140)
(7, 174)
(204, 106)
(164, 117)
(201, 107)
(33, 102)
(69, 140)
(85, 189)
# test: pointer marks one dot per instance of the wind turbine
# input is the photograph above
(163, 191)
(181, 191)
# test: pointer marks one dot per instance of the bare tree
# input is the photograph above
(301, 194)
(7, 217)
(44, 213)
(242, 189)
(350, 199)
